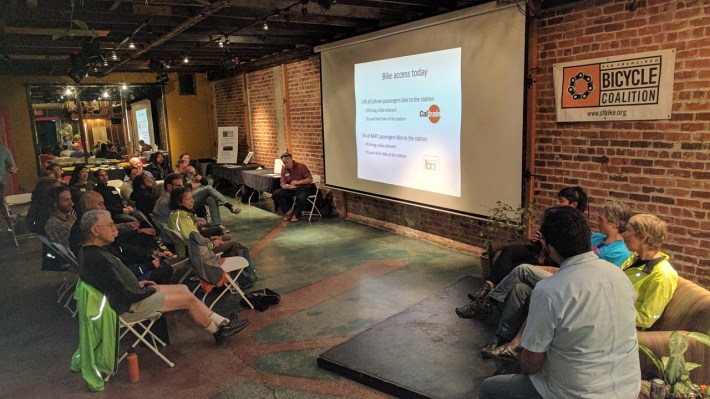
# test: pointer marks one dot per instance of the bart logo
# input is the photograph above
(431, 165)
(433, 113)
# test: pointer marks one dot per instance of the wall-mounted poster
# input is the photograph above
(622, 88)
(228, 144)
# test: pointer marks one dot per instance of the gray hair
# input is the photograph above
(616, 212)
(89, 220)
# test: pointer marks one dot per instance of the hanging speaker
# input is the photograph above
(187, 84)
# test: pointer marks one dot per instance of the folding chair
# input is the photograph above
(146, 336)
(70, 278)
(16, 205)
(312, 199)
(170, 236)
(116, 183)
(67, 255)
(208, 269)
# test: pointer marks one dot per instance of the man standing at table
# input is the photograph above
(296, 181)
(580, 338)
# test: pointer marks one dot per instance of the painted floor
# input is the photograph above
(337, 278)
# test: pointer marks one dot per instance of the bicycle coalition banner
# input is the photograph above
(621, 88)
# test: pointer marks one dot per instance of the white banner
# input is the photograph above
(227, 144)
(622, 88)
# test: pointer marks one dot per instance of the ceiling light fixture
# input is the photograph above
(220, 43)
(185, 59)
(124, 87)
(131, 45)
(67, 92)
(265, 26)
(114, 56)
(105, 94)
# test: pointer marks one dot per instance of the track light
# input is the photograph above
(265, 26)
(227, 42)
(114, 56)
(220, 43)
(124, 87)
(104, 94)
(131, 45)
(185, 59)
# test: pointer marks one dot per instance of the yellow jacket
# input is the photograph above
(654, 282)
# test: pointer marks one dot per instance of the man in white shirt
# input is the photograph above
(580, 339)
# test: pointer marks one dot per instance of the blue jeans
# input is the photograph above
(210, 197)
(514, 293)
(508, 386)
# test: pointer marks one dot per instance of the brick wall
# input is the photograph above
(658, 167)
(230, 106)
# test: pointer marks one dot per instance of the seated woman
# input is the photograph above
(158, 166)
(80, 183)
(649, 270)
(135, 300)
(182, 220)
(531, 253)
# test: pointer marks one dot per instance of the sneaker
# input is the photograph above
(224, 228)
(490, 347)
(229, 330)
(481, 293)
(235, 210)
(466, 311)
(475, 308)
(507, 351)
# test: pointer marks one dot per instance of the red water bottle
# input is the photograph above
(134, 373)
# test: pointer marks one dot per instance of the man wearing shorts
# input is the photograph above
(134, 300)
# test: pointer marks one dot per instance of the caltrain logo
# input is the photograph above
(433, 113)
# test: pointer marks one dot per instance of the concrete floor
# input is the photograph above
(337, 278)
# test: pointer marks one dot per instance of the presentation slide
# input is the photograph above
(143, 125)
(408, 121)
(430, 113)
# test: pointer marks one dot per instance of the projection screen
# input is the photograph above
(431, 112)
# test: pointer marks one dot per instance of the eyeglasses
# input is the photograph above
(111, 225)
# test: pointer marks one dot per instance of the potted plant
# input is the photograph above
(673, 369)
(505, 223)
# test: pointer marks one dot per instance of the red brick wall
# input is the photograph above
(230, 105)
(658, 167)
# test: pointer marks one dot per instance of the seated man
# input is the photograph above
(136, 247)
(296, 181)
(512, 294)
(134, 300)
(138, 164)
(580, 339)
(113, 201)
(61, 219)
(652, 276)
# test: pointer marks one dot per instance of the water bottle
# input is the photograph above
(134, 374)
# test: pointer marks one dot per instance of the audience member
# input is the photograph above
(142, 194)
(76, 151)
(158, 166)
(649, 270)
(113, 201)
(296, 181)
(7, 164)
(182, 220)
(533, 253)
(580, 339)
(190, 162)
(56, 171)
(161, 210)
(127, 187)
(80, 182)
(133, 300)
(144, 146)
(102, 152)
(512, 294)
(61, 218)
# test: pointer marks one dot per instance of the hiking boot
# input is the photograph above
(467, 311)
(481, 293)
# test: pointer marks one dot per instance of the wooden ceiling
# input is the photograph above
(38, 36)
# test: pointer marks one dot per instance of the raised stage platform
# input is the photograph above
(425, 351)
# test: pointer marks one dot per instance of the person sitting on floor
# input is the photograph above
(533, 252)
(182, 220)
(61, 219)
(296, 181)
(649, 270)
(580, 339)
(512, 294)
(133, 300)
